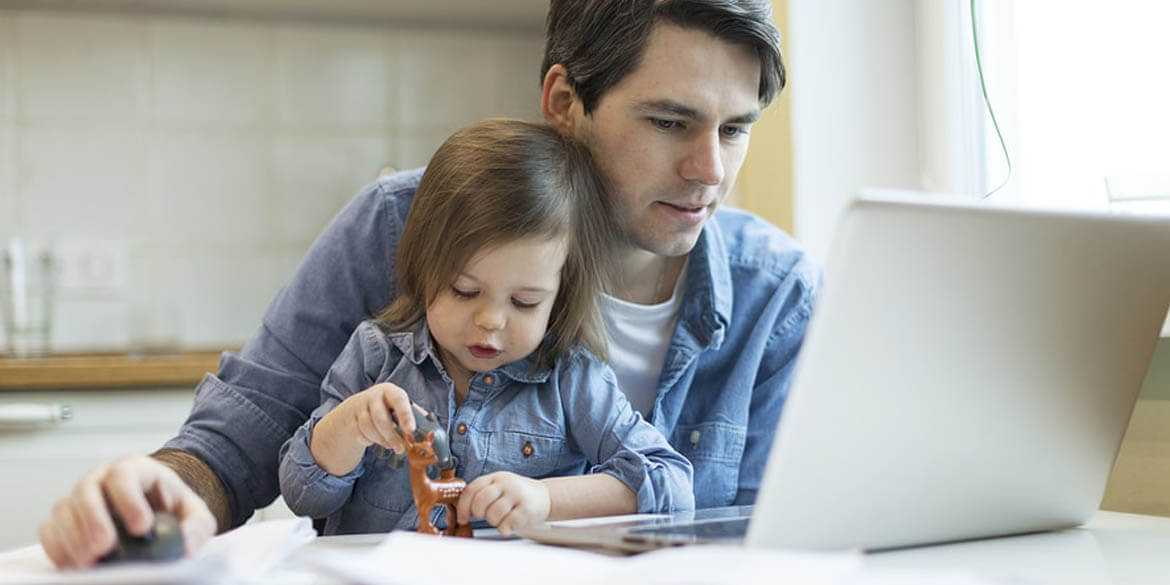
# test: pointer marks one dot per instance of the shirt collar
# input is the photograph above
(707, 293)
(418, 345)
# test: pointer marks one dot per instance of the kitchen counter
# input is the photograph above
(106, 371)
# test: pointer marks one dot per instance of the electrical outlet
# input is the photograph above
(93, 266)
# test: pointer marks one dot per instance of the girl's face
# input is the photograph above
(497, 310)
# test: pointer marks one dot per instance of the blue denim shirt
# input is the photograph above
(748, 297)
(534, 422)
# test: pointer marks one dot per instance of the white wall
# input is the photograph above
(215, 150)
(854, 91)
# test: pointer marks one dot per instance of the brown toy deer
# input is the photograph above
(428, 493)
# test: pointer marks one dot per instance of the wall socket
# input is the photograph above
(93, 266)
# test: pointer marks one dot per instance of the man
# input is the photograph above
(705, 320)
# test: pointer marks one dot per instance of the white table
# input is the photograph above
(1113, 548)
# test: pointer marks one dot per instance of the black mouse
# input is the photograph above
(163, 542)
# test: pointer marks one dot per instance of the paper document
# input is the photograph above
(240, 556)
(406, 558)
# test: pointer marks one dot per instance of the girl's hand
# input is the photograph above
(369, 414)
(341, 437)
(506, 500)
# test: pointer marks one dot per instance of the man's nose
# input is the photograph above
(703, 162)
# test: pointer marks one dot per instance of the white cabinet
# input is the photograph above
(39, 464)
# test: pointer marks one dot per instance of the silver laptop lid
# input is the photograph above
(977, 365)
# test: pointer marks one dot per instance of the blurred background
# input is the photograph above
(180, 158)
(164, 164)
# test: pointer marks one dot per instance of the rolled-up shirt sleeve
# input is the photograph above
(619, 442)
(308, 489)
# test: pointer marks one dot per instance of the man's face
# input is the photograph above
(672, 135)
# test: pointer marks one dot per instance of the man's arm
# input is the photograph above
(263, 394)
(199, 477)
(771, 392)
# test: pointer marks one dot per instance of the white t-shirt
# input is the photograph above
(639, 336)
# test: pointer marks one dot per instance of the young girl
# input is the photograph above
(496, 330)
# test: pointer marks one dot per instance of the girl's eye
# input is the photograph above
(463, 294)
(523, 305)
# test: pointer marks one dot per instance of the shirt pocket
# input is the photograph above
(531, 455)
(715, 450)
(385, 488)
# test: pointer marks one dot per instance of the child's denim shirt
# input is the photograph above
(570, 420)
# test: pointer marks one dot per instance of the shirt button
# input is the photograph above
(695, 434)
(461, 429)
(489, 380)
(527, 450)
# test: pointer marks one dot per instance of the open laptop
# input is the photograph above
(969, 372)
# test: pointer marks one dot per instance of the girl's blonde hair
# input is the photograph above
(495, 182)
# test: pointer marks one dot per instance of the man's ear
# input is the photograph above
(557, 100)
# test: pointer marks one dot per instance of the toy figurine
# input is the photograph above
(429, 446)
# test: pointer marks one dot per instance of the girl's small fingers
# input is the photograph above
(367, 430)
(380, 419)
(484, 498)
(513, 520)
(463, 505)
(397, 401)
(395, 444)
(498, 510)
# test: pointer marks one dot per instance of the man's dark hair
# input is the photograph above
(599, 42)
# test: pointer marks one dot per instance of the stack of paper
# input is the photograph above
(244, 555)
(413, 559)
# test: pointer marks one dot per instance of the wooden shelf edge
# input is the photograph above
(107, 371)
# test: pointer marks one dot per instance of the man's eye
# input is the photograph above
(662, 124)
(463, 294)
(733, 131)
(519, 304)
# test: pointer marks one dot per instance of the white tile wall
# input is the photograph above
(415, 146)
(209, 188)
(452, 79)
(518, 95)
(79, 179)
(318, 175)
(82, 66)
(331, 77)
(217, 149)
(211, 72)
(7, 66)
(209, 296)
(8, 200)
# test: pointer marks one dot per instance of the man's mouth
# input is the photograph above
(685, 213)
(686, 207)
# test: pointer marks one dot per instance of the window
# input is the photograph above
(1081, 94)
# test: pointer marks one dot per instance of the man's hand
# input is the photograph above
(506, 500)
(81, 528)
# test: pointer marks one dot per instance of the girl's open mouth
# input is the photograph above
(483, 352)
